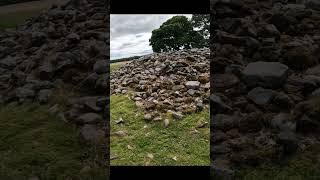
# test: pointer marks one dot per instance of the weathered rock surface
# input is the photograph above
(265, 81)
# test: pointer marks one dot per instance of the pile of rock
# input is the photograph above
(66, 45)
(265, 80)
(175, 82)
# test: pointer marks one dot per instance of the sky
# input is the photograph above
(130, 34)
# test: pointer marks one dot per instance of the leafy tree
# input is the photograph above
(174, 34)
(201, 22)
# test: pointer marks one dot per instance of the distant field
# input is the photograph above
(15, 14)
(115, 66)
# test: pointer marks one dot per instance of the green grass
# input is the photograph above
(115, 66)
(163, 143)
(12, 20)
(16, 14)
(34, 143)
(303, 166)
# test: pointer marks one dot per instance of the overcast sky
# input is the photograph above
(130, 34)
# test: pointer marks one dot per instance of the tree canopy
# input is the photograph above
(174, 34)
(201, 22)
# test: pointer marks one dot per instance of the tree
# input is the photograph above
(174, 34)
(201, 22)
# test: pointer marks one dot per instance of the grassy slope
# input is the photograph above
(15, 14)
(33, 143)
(115, 66)
(302, 166)
(163, 143)
(15, 19)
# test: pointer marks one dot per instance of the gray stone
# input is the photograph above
(266, 74)
(193, 85)
(89, 118)
(316, 93)
(261, 96)
(147, 117)
(38, 38)
(44, 95)
(313, 4)
(283, 122)
(102, 83)
(269, 31)
(46, 71)
(283, 101)
(218, 105)
(224, 81)
(313, 71)
(25, 92)
(191, 92)
(73, 38)
(177, 115)
(91, 133)
(8, 63)
(101, 67)
(223, 122)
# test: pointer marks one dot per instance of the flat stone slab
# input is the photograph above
(265, 74)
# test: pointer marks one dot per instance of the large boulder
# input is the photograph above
(265, 74)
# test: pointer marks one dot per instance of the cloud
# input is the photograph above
(130, 34)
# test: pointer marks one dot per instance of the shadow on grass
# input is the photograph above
(34, 143)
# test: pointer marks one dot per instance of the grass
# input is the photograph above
(115, 66)
(34, 143)
(15, 14)
(177, 140)
(11, 20)
(303, 166)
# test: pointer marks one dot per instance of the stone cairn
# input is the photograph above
(173, 82)
(66, 46)
(265, 78)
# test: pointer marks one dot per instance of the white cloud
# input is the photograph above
(130, 34)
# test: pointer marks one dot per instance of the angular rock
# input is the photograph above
(218, 105)
(266, 74)
(8, 63)
(224, 122)
(91, 133)
(44, 95)
(261, 96)
(89, 118)
(177, 115)
(101, 67)
(193, 85)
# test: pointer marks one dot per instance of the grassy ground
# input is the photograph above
(12, 20)
(303, 166)
(175, 145)
(15, 14)
(115, 66)
(34, 143)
